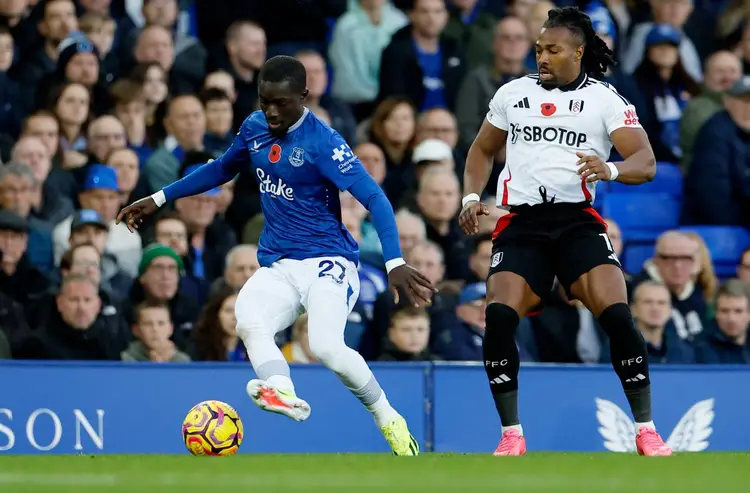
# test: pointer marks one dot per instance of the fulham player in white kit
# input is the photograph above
(558, 128)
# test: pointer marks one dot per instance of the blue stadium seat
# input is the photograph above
(642, 216)
(725, 243)
(668, 180)
(634, 257)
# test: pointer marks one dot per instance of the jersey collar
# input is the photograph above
(298, 123)
(576, 84)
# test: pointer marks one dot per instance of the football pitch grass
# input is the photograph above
(364, 473)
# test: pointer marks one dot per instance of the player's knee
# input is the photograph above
(501, 317)
(325, 349)
(617, 320)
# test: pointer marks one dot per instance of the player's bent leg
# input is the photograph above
(603, 291)
(328, 308)
(509, 297)
(267, 304)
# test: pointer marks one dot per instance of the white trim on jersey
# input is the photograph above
(546, 128)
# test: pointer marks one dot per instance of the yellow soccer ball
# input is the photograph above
(212, 428)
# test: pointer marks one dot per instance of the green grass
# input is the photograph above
(355, 473)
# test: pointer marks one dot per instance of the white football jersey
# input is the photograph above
(546, 127)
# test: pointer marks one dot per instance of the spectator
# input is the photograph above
(726, 339)
(674, 265)
(723, 68)
(43, 125)
(17, 183)
(340, 115)
(185, 123)
(215, 335)
(100, 28)
(463, 342)
(474, 27)
(673, 13)
(50, 195)
(510, 47)
(393, 129)
(159, 282)
(71, 107)
(105, 134)
(11, 107)
(411, 230)
(171, 230)
(19, 279)
(408, 336)
(357, 44)
(74, 328)
(218, 109)
(667, 87)
(90, 228)
(721, 165)
(440, 124)
(535, 16)
(14, 327)
(439, 202)
(154, 83)
(152, 330)
(373, 160)
(479, 261)
(240, 265)
(100, 193)
(210, 238)
(130, 108)
(705, 275)
(429, 154)
(652, 310)
(422, 64)
(57, 22)
(298, 349)
(223, 80)
(130, 183)
(161, 40)
(743, 266)
(246, 53)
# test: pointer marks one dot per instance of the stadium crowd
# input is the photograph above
(106, 101)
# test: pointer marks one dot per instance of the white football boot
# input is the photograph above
(269, 398)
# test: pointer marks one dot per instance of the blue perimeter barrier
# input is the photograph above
(96, 408)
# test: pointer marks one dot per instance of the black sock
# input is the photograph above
(629, 358)
(501, 361)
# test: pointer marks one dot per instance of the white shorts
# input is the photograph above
(277, 295)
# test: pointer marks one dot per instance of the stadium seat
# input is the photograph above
(668, 180)
(642, 216)
(725, 243)
(634, 257)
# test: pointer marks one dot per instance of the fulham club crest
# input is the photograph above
(576, 106)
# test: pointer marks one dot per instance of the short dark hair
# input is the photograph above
(285, 68)
(147, 305)
(407, 312)
(66, 263)
(4, 29)
(210, 94)
(597, 57)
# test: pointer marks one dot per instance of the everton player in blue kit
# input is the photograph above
(308, 259)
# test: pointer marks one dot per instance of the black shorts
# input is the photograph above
(544, 241)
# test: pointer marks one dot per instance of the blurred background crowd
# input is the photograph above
(106, 101)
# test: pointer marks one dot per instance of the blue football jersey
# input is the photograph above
(300, 176)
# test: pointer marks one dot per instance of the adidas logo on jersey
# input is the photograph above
(524, 103)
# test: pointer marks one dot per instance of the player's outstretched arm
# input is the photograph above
(489, 142)
(639, 165)
(210, 175)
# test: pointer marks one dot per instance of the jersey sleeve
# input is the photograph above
(337, 162)
(496, 114)
(618, 112)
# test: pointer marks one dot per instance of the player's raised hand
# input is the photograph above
(418, 288)
(469, 217)
(135, 212)
(593, 168)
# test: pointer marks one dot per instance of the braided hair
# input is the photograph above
(597, 57)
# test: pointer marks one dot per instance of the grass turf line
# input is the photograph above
(364, 473)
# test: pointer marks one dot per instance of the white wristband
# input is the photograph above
(613, 171)
(159, 198)
(472, 197)
(393, 263)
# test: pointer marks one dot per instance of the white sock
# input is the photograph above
(518, 428)
(649, 424)
(382, 411)
(282, 383)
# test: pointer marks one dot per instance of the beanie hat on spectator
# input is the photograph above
(10, 221)
(662, 34)
(154, 251)
(472, 292)
(75, 43)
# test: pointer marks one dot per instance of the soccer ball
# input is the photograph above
(212, 428)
